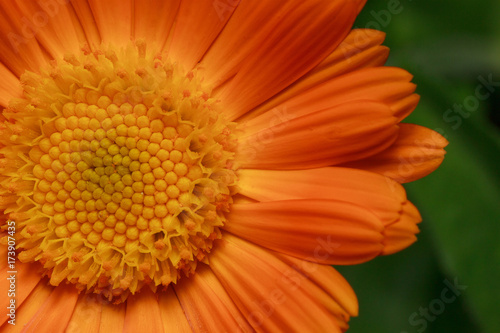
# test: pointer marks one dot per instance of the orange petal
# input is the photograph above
(323, 231)
(360, 49)
(246, 30)
(271, 295)
(302, 39)
(198, 24)
(154, 20)
(381, 195)
(26, 276)
(112, 318)
(143, 313)
(57, 26)
(9, 86)
(345, 302)
(205, 308)
(114, 20)
(19, 48)
(401, 234)
(387, 85)
(344, 133)
(30, 306)
(56, 312)
(173, 317)
(417, 152)
(88, 23)
(87, 314)
(214, 284)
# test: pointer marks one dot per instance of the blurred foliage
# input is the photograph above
(447, 45)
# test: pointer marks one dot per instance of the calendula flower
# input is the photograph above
(179, 166)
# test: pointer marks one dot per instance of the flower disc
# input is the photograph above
(122, 172)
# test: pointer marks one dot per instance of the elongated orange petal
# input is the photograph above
(330, 281)
(215, 285)
(246, 30)
(114, 20)
(401, 234)
(173, 317)
(360, 49)
(204, 308)
(270, 294)
(154, 20)
(19, 48)
(381, 195)
(198, 24)
(323, 231)
(304, 37)
(87, 314)
(417, 152)
(328, 137)
(87, 21)
(56, 312)
(112, 318)
(387, 85)
(30, 306)
(143, 313)
(28, 274)
(58, 28)
(9, 86)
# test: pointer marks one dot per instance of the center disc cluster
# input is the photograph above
(131, 171)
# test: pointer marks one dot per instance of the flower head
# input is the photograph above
(179, 166)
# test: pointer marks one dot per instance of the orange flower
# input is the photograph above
(173, 166)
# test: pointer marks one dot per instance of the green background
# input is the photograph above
(447, 45)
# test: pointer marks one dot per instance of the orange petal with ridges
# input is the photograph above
(28, 274)
(19, 49)
(84, 13)
(154, 21)
(332, 136)
(381, 195)
(323, 231)
(401, 234)
(61, 32)
(55, 313)
(417, 152)
(292, 49)
(30, 306)
(87, 314)
(112, 318)
(213, 282)
(270, 294)
(204, 308)
(198, 24)
(248, 27)
(173, 316)
(360, 49)
(9, 86)
(143, 313)
(386, 85)
(114, 20)
(331, 282)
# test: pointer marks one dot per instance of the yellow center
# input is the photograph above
(118, 170)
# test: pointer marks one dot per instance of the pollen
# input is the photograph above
(117, 169)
